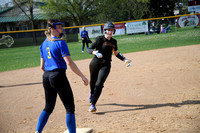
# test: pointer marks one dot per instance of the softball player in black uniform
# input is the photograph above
(102, 48)
(54, 56)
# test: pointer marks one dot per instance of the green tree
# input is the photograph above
(26, 7)
(138, 9)
(96, 11)
(81, 12)
(76, 11)
(162, 8)
(121, 10)
(108, 10)
(182, 6)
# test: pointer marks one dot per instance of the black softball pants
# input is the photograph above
(99, 72)
(56, 82)
(83, 42)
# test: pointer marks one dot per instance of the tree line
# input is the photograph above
(83, 12)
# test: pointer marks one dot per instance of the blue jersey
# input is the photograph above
(53, 53)
(84, 34)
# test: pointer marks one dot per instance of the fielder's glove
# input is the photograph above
(128, 62)
(99, 55)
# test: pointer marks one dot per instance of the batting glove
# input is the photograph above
(99, 55)
(128, 62)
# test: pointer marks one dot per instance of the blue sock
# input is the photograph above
(71, 123)
(82, 48)
(42, 121)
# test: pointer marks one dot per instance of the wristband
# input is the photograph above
(120, 56)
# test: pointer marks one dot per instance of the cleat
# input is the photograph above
(90, 98)
(92, 108)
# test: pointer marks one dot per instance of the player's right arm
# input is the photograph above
(41, 59)
(93, 46)
(81, 35)
(42, 63)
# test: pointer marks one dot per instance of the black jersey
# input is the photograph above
(104, 46)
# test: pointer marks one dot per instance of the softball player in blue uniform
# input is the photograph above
(84, 37)
(102, 48)
(54, 56)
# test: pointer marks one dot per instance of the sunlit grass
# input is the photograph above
(25, 57)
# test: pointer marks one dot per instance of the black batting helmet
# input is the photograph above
(109, 25)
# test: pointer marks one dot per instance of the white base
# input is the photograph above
(82, 130)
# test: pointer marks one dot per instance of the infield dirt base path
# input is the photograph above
(159, 93)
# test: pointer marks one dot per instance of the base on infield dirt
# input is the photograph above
(82, 130)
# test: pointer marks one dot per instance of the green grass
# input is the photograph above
(25, 57)
(157, 41)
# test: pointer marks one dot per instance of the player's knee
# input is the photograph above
(99, 85)
(70, 110)
(49, 109)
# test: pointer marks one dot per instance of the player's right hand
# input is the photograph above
(99, 55)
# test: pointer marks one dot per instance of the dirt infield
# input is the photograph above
(159, 93)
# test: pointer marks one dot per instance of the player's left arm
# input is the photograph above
(75, 69)
(121, 57)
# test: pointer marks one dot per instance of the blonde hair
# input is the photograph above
(83, 28)
(48, 30)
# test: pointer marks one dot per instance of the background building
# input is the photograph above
(12, 18)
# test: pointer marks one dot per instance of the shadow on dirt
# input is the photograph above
(150, 106)
(20, 85)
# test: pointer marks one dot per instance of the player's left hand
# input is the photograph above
(85, 80)
(128, 62)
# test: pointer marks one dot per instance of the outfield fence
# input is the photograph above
(72, 34)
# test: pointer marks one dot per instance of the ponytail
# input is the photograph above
(48, 30)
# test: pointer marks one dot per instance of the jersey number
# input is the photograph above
(49, 56)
